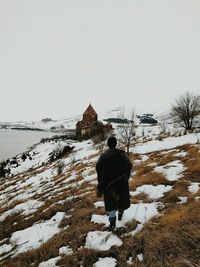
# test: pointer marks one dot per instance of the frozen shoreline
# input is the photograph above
(13, 142)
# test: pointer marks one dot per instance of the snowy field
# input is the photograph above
(36, 182)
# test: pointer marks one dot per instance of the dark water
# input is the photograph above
(13, 142)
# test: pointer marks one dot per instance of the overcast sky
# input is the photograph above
(57, 56)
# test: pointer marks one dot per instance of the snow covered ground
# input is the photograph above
(37, 234)
(172, 170)
(35, 185)
(165, 144)
(68, 123)
(153, 191)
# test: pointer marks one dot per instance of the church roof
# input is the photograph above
(89, 110)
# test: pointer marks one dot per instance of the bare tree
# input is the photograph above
(126, 130)
(186, 110)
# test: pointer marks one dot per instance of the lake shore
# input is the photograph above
(15, 141)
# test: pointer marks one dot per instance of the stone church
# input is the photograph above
(90, 126)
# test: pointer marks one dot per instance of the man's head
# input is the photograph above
(112, 142)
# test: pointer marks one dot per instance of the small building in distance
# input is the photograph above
(90, 126)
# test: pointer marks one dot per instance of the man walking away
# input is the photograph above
(113, 171)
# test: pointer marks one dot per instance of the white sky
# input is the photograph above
(57, 56)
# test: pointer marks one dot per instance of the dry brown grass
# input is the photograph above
(74, 236)
(60, 178)
(171, 240)
(92, 164)
(140, 197)
(193, 170)
(69, 261)
(88, 257)
(134, 156)
(79, 167)
(10, 206)
(192, 163)
(91, 172)
(45, 212)
(165, 159)
(152, 177)
(143, 169)
(179, 189)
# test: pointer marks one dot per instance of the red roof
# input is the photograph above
(89, 111)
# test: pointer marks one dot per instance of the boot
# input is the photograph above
(112, 223)
(120, 214)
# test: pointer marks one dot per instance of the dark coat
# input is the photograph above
(112, 167)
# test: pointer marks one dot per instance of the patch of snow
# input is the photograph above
(181, 154)
(65, 250)
(130, 260)
(40, 153)
(93, 182)
(194, 187)
(141, 212)
(153, 164)
(5, 248)
(93, 159)
(84, 149)
(23, 196)
(26, 208)
(50, 263)
(169, 151)
(137, 161)
(106, 262)
(140, 257)
(172, 171)
(33, 237)
(144, 157)
(3, 241)
(102, 240)
(167, 143)
(183, 200)
(99, 204)
(44, 176)
(137, 229)
(88, 178)
(87, 171)
(101, 219)
(154, 192)
(66, 182)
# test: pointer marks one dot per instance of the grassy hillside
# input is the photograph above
(50, 218)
